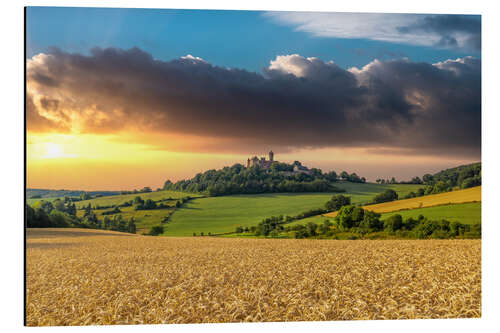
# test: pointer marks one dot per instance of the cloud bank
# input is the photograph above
(295, 103)
(446, 31)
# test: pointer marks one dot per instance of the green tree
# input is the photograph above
(138, 201)
(57, 219)
(344, 218)
(393, 223)
(131, 228)
(156, 230)
(85, 196)
(371, 221)
(337, 201)
(59, 205)
(386, 196)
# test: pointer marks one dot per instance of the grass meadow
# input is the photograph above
(468, 213)
(119, 199)
(223, 214)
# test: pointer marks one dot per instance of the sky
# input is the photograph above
(127, 98)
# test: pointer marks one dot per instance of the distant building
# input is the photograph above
(266, 165)
(262, 162)
(301, 169)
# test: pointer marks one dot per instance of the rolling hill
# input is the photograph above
(472, 194)
(223, 214)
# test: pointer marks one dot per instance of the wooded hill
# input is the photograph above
(238, 179)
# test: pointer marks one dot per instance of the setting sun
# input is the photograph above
(53, 150)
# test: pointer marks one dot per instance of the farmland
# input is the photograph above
(468, 213)
(119, 199)
(85, 277)
(223, 214)
(460, 196)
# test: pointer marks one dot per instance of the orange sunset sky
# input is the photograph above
(102, 162)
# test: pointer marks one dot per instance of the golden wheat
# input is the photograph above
(78, 277)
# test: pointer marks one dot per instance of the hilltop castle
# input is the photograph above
(262, 162)
(266, 165)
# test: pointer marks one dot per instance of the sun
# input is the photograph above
(53, 150)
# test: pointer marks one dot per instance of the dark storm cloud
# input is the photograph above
(455, 30)
(296, 103)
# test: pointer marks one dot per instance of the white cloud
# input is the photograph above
(193, 59)
(373, 26)
(296, 64)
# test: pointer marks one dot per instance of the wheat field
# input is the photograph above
(89, 277)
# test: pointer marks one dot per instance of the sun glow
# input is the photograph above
(53, 150)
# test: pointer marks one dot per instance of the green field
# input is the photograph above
(364, 193)
(119, 199)
(468, 213)
(224, 214)
(144, 219)
(31, 202)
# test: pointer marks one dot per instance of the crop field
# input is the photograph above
(224, 214)
(468, 213)
(472, 194)
(90, 277)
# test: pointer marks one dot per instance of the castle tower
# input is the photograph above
(271, 156)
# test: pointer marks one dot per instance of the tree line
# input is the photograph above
(62, 214)
(45, 214)
(460, 177)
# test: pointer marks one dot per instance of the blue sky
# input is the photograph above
(241, 39)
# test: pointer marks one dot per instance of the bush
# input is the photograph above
(58, 220)
(337, 201)
(386, 196)
(371, 221)
(156, 230)
(425, 228)
(344, 218)
(393, 223)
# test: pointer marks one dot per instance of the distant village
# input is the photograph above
(266, 164)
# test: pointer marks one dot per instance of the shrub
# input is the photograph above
(337, 201)
(386, 196)
(371, 221)
(344, 217)
(393, 223)
(156, 230)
